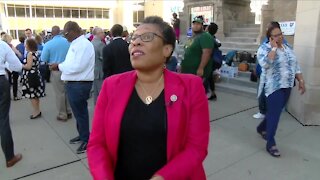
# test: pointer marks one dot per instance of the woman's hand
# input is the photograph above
(273, 42)
(272, 53)
(302, 87)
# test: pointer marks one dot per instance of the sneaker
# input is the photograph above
(75, 140)
(82, 148)
(259, 116)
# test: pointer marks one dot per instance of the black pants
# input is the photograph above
(15, 77)
(209, 81)
(5, 130)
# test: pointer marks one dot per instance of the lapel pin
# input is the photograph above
(173, 98)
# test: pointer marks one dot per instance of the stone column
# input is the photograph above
(123, 14)
(306, 108)
(267, 16)
(218, 19)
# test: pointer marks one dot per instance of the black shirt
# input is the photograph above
(142, 147)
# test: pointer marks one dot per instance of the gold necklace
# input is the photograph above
(149, 98)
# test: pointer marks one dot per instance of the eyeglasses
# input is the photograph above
(146, 37)
(277, 35)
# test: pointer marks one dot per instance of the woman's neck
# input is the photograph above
(149, 77)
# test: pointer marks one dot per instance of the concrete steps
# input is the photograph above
(241, 39)
(227, 49)
(249, 26)
(244, 34)
(245, 29)
(244, 45)
(240, 85)
(237, 90)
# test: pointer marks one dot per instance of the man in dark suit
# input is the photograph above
(116, 57)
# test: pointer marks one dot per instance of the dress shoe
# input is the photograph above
(82, 148)
(75, 140)
(213, 97)
(62, 119)
(14, 160)
(35, 117)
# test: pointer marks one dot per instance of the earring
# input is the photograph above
(164, 66)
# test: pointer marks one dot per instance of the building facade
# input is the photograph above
(16, 16)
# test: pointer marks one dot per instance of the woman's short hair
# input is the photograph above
(32, 44)
(38, 39)
(270, 27)
(6, 38)
(166, 30)
(213, 28)
(22, 39)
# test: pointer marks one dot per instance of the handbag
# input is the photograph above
(245, 57)
(217, 56)
(33, 79)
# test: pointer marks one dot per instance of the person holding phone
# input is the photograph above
(280, 69)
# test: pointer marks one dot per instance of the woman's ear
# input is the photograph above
(167, 50)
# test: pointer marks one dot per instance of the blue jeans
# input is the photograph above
(275, 103)
(78, 94)
(5, 130)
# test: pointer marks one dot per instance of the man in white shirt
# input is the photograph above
(78, 73)
(7, 58)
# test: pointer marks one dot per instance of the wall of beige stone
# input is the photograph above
(284, 10)
(306, 108)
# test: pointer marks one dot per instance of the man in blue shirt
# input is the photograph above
(54, 52)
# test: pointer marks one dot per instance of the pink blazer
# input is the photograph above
(187, 133)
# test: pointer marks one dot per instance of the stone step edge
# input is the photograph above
(236, 89)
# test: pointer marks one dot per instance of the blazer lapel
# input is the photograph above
(174, 94)
(117, 108)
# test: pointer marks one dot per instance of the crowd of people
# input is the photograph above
(149, 122)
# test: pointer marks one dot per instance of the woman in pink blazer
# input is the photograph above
(150, 123)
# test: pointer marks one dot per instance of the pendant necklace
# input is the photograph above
(149, 98)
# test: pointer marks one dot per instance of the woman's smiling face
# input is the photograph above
(147, 48)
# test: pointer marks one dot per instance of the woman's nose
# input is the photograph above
(136, 41)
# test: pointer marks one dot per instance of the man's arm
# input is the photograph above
(13, 61)
(206, 43)
(45, 54)
(205, 58)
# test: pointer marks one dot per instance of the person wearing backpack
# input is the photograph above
(216, 58)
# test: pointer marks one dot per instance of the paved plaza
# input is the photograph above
(236, 151)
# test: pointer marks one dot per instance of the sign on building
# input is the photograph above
(205, 11)
(288, 27)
